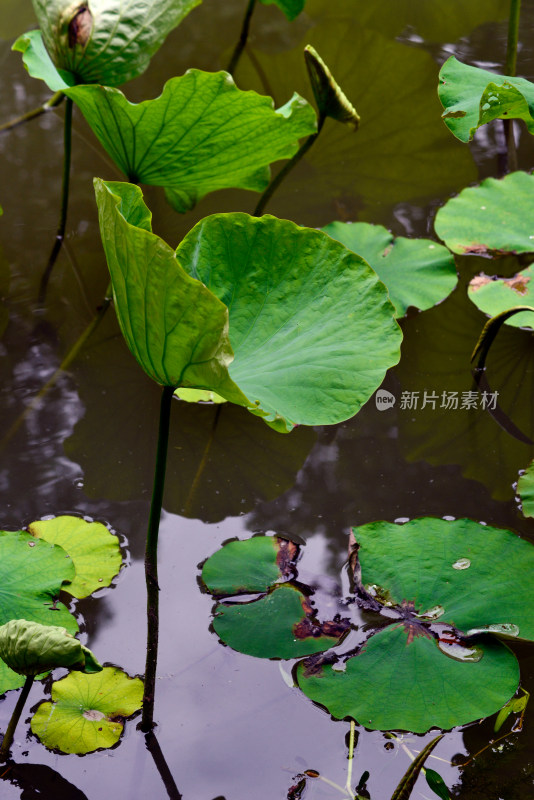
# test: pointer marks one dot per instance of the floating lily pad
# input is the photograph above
(495, 295)
(311, 327)
(87, 711)
(434, 555)
(472, 97)
(201, 134)
(31, 576)
(93, 548)
(525, 490)
(279, 625)
(252, 565)
(416, 272)
(103, 41)
(495, 217)
(291, 8)
(400, 683)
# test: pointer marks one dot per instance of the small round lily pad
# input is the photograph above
(87, 711)
(94, 550)
(252, 565)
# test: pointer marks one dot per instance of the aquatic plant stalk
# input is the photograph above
(511, 65)
(17, 711)
(152, 745)
(50, 104)
(243, 38)
(151, 561)
(284, 172)
(60, 235)
(351, 757)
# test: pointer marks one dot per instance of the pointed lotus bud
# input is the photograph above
(329, 97)
(30, 648)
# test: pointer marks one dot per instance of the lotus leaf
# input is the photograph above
(330, 99)
(525, 490)
(440, 576)
(39, 64)
(87, 711)
(496, 295)
(310, 325)
(107, 41)
(252, 565)
(278, 624)
(291, 8)
(93, 548)
(32, 573)
(201, 134)
(494, 217)
(416, 272)
(472, 97)
(281, 624)
(30, 648)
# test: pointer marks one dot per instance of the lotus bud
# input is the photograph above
(30, 648)
(331, 101)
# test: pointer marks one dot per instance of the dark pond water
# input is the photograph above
(228, 725)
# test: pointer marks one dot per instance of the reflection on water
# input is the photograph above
(228, 726)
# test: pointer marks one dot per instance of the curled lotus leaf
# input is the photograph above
(30, 648)
(330, 99)
(107, 41)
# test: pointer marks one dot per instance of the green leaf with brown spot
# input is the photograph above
(252, 565)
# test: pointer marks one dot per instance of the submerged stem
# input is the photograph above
(151, 561)
(241, 44)
(51, 103)
(67, 140)
(10, 732)
(284, 172)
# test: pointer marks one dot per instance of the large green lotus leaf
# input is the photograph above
(279, 625)
(94, 550)
(311, 326)
(87, 711)
(201, 134)
(291, 8)
(493, 296)
(472, 97)
(252, 565)
(39, 64)
(105, 41)
(416, 272)
(451, 565)
(403, 681)
(494, 217)
(175, 327)
(525, 490)
(31, 577)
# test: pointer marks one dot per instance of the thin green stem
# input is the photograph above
(67, 144)
(240, 46)
(65, 364)
(10, 732)
(151, 561)
(351, 757)
(284, 172)
(50, 104)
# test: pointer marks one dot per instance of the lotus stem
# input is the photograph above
(151, 561)
(10, 732)
(65, 364)
(351, 757)
(50, 104)
(60, 235)
(510, 69)
(284, 172)
(243, 38)
(152, 745)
